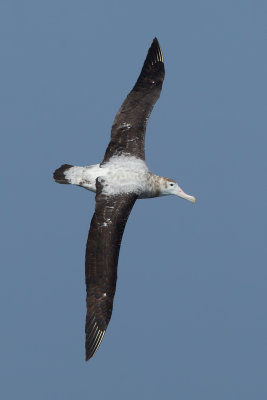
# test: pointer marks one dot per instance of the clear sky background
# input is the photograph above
(189, 319)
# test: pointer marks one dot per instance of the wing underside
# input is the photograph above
(102, 253)
(129, 126)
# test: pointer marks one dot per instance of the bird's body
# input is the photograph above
(121, 179)
(122, 175)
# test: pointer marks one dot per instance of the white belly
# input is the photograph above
(121, 175)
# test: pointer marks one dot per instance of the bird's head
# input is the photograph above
(169, 186)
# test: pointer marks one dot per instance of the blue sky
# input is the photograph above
(189, 318)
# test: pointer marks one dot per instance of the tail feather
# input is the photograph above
(59, 174)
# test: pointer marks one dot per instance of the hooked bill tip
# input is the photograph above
(185, 196)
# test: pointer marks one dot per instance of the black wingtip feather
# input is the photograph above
(153, 70)
(154, 54)
(59, 174)
(94, 337)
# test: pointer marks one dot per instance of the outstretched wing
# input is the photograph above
(102, 253)
(129, 126)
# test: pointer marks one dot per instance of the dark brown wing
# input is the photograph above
(129, 126)
(102, 253)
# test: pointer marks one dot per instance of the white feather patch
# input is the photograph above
(123, 174)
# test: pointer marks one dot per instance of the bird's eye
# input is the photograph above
(171, 184)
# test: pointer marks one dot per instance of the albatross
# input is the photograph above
(120, 179)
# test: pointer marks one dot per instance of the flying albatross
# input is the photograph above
(121, 179)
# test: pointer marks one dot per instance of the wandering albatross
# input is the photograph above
(121, 179)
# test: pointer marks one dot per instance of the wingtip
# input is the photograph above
(93, 345)
(93, 337)
(155, 53)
